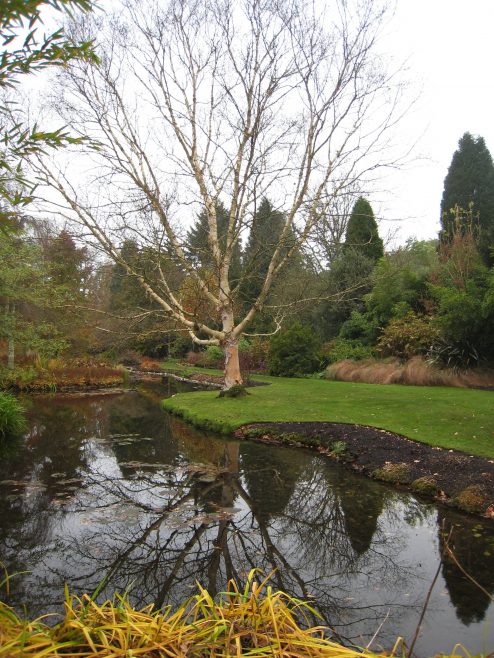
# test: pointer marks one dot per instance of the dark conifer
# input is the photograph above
(198, 246)
(469, 195)
(362, 234)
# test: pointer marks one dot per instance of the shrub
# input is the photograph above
(341, 348)
(473, 499)
(194, 358)
(130, 359)
(19, 378)
(236, 391)
(394, 473)
(456, 355)
(179, 347)
(253, 355)
(361, 327)
(293, 352)
(408, 336)
(12, 419)
(213, 357)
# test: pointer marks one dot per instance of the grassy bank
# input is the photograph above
(460, 419)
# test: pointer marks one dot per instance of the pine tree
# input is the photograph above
(362, 234)
(469, 192)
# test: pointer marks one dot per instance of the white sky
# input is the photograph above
(449, 49)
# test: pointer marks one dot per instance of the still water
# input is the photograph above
(110, 488)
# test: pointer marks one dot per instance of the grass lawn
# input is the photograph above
(462, 419)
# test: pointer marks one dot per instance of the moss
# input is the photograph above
(472, 499)
(253, 432)
(425, 485)
(395, 473)
(236, 391)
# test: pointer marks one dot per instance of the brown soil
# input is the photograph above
(452, 477)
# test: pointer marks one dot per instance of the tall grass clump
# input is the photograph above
(12, 419)
(253, 621)
(414, 372)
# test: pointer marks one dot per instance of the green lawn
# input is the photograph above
(462, 419)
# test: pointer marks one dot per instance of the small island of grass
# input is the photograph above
(452, 418)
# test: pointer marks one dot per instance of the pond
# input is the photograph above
(110, 491)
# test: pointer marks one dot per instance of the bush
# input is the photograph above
(341, 349)
(293, 352)
(253, 355)
(212, 357)
(179, 347)
(408, 336)
(361, 327)
(194, 358)
(12, 419)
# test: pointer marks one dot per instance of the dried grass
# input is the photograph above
(415, 372)
(252, 622)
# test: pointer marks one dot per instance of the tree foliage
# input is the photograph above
(24, 51)
(25, 288)
(469, 186)
(199, 248)
(293, 352)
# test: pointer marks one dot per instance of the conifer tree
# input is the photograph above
(469, 193)
(198, 246)
(267, 225)
(362, 234)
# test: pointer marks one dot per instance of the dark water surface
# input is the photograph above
(112, 487)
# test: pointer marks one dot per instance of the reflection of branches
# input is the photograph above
(163, 528)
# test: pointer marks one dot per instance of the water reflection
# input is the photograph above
(473, 550)
(111, 490)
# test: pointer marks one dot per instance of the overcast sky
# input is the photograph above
(448, 45)
(445, 50)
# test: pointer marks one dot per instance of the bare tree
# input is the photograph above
(197, 102)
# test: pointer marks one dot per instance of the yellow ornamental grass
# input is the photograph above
(253, 622)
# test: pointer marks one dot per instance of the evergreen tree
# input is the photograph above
(198, 246)
(469, 186)
(267, 224)
(362, 234)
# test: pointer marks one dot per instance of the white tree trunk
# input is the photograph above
(230, 348)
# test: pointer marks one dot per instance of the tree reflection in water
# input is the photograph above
(113, 491)
(161, 529)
